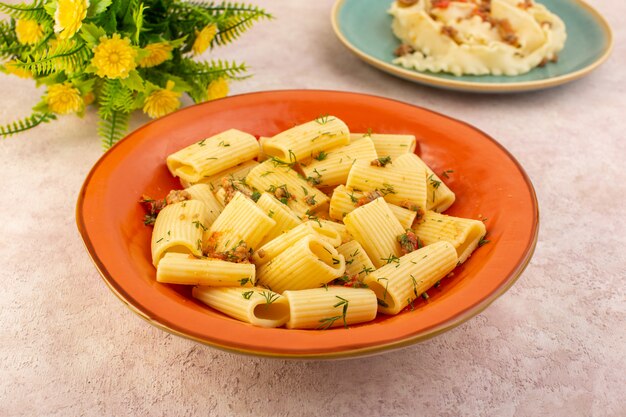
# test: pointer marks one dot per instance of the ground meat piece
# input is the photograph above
(232, 185)
(403, 49)
(152, 208)
(350, 281)
(440, 4)
(367, 198)
(176, 196)
(381, 162)
(406, 3)
(409, 242)
(526, 4)
(238, 254)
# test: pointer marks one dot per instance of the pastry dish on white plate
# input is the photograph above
(476, 37)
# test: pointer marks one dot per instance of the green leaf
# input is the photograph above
(91, 34)
(85, 85)
(27, 123)
(133, 81)
(113, 128)
(97, 6)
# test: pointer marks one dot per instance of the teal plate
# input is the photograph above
(364, 27)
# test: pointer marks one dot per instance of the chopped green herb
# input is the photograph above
(199, 225)
(271, 213)
(446, 172)
(270, 297)
(483, 241)
(321, 156)
(222, 143)
(201, 143)
(255, 196)
(247, 294)
(244, 281)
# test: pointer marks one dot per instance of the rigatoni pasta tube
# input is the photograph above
(281, 243)
(238, 172)
(332, 167)
(389, 144)
(438, 196)
(180, 268)
(463, 234)
(400, 282)
(179, 228)
(258, 306)
(212, 155)
(376, 228)
(334, 306)
(241, 220)
(345, 200)
(300, 142)
(399, 185)
(283, 216)
(310, 263)
(357, 261)
(286, 185)
(212, 207)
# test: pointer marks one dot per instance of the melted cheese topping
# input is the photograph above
(511, 38)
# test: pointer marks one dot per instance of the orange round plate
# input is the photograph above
(487, 180)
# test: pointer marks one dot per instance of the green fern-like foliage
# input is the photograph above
(33, 11)
(27, 123)
(68, 64)
(69, 56)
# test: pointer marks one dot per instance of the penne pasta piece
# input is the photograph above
(463, 234)
(285, 184)
(376, 228)
(345, 200)
(258, 306)
(278, 245)
(309, 263)
(332, 167)
(238, 172)
(213, 207)
(179, 227)
(399, 185)
(389, 145)
(283, 216)
(300, 142)
(212, 155)
(399, 283)
(357, 262)
(180, 268)
(438, 196)
(334, 306)
(241, 221)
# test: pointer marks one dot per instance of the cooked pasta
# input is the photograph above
(403, 280)
(263, 242)
(283, 216)
(398, 185)
(389, 145)
(333, 306)
(302, 141)
(309, 263)
(287, 185)
(345, 200)
(212, 155)
(278, 245)
(258, 306)
(376, 228)
(508, 37)
(179, 228)
(212, 206)
(180, 268)
(438, 196)
(463, 234)
(332, 167)
(241, 222)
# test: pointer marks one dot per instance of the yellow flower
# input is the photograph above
(28, 31)
(114, 58)
(217, 89)
(11, 68)
(162, 101)
(159, 53)
(204, 38)
(64, 98)
(69, 16)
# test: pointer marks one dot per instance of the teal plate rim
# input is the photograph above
(435, 80)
